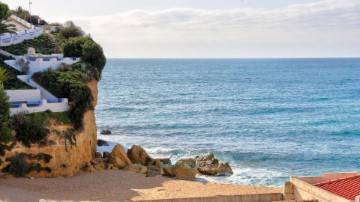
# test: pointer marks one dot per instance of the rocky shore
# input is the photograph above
(137, 160)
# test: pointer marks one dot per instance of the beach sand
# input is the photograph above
(115, 185)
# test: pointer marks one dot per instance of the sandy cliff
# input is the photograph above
(66, 159)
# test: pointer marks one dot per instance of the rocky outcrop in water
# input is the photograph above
(209, 165)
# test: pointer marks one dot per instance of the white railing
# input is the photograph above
(40, 64)
(30, 33)
(10, 39)
(22, 21)
(54, 105)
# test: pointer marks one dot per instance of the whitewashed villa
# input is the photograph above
(37, 99)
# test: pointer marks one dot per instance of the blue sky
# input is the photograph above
(213, 28)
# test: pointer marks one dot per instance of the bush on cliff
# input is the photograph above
(5, 132)
(70, 30)
(42, 44)
(28, 130)
(65, 84)
(20, 167)
(90, 52)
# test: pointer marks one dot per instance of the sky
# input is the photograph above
(212, 28)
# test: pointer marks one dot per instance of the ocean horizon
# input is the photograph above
(270, 118)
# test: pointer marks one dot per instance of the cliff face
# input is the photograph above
(66, 159)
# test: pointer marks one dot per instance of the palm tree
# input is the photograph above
(7, 28)
(4, 76)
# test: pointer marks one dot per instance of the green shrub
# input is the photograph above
(28, 130)
(5, 131)
(13, 82)
(65, 84)
(42, 44)
(19, 167)
(90, 52)
(71, 30)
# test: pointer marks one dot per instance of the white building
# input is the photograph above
(25, 31)
(37, 99)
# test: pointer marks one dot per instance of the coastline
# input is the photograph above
(117, 185)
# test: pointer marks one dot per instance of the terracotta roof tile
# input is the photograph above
(348, 187)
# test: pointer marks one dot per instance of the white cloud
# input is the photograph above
(324, 28)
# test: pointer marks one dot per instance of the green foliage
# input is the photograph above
(90, 52)
(12, 81)
(61, 117)
(4, 76)
(5, 131)
(21, 13)
(24, 14)
(69, 136)
(70, 30)
(65, 84)
(19, 166)
(42, 44)
(73, 46)
(4, 11)
(29, 129)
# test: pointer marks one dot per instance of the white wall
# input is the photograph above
(41, 64)
(32, 95)
(10, 39)
(21, 21)
(54, 107)
(31, 33)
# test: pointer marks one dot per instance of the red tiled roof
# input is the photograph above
(348, 187)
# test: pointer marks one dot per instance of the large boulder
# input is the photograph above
(117, 162)
(209, 165)
(98, 155)
(153, 171)
(101, 143)
(138, 155)
(224, 169)
(185, 168)
(207, 171)
(162, 162)
(120, 153)
(105, 132)
(106, 154)
(137, 168)
(169, 171)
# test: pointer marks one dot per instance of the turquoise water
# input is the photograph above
(269, 118)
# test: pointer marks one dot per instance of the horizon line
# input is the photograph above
(358, 57)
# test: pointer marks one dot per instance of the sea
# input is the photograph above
(268, 118)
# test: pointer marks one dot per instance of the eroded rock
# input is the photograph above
(138, 155)
(209, 165)
(185, 168)
(137, 168)
(100, 143)
(120, 153)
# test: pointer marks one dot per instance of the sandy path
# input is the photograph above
(115, 185)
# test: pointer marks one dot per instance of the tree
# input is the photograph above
(21, 13)
(86, 48)
(4, 11)
(4, 76)
(5, 131)
(71, 30)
